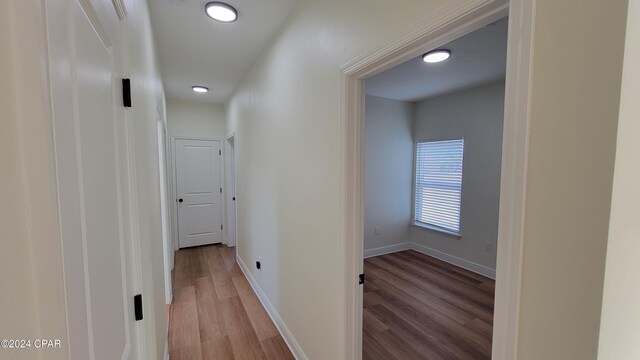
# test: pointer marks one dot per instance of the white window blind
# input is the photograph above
(439, 184)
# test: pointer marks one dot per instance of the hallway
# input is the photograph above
(215, 313)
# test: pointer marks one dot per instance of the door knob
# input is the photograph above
(180, 200)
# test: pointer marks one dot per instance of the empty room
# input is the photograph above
(433, 152)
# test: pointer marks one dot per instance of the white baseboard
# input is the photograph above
(465, 264)
(166, 350)
(387, 249)
(295, 348)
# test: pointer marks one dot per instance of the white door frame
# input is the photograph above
(174, 187)
(229, 203)
(167, 244)
(452, 20)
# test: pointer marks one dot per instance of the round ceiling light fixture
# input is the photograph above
(220, 11)
(436, 56)
(200, 89)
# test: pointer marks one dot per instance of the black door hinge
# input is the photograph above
(137, 305)
(221, 228)
(361, 279)
(219, 152)
(220, 190)
(126, 92)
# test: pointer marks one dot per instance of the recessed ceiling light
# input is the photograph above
(221, 12)
(436, 56)
(200, 89)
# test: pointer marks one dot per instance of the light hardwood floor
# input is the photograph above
(418, 307)
(215, 313)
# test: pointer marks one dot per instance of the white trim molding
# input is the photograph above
(390, 249)
(166, 349)
(454, 260)
(513, 183)
(450, 259)
(293, 345)
(452, 20)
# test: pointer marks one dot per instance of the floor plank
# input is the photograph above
(188, 267)
(372, 324)
(215, 313)
(217, 349)
(188, 353)
(220, 275)
(260, 320)
(416, 306)
(209, 317)
(244, 342)
(276, 349)
(185, 331)
(372, 349)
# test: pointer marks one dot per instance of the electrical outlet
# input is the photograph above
(488, 247)
(376, 230)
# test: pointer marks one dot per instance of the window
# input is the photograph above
(439, 184)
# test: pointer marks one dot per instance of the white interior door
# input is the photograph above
(231, 192)
(85, 60)
(199, 192)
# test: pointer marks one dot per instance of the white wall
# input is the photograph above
(286, 114)
(620, 328)
(476, 115)
(32, 304)
(148, 107)
(195, 119)
(388, 171)
(573, 122)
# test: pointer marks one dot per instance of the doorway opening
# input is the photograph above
(450, 22)
(231, 190)
(433, 143)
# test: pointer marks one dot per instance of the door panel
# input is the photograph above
(198, 170)
(101, 205)
(85, 60)
(198, 184)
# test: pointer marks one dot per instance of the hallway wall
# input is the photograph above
(286, 115)
(575, 96)
(195, 119)
(149, 107)
(32, 303)
(620, 329)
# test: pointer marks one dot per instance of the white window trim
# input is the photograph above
(425, 226)
(432, 228)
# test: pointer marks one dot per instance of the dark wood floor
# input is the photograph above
(215, 313)
(418, 307)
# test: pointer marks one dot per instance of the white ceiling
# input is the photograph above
(196, 50)
(476, 58)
